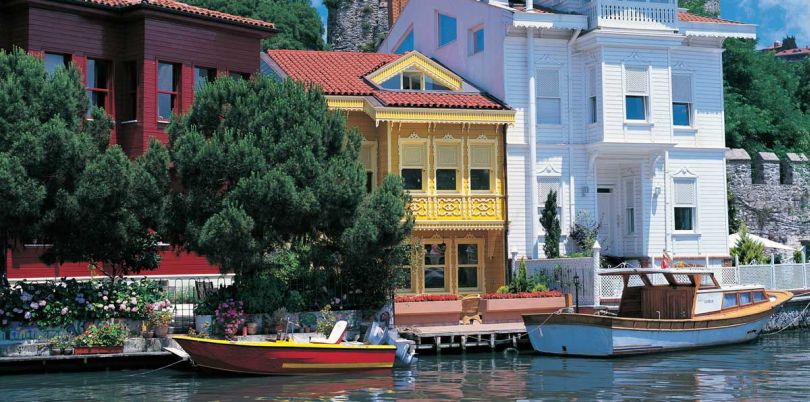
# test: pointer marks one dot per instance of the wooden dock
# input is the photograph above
(460, 337)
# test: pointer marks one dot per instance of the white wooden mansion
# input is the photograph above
(619, 107)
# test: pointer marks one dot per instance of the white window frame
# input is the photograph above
(690, 101)
(448, 141)
(492, 144)
(425, 167)
(542, 72)
(693, 204)
(645, 94)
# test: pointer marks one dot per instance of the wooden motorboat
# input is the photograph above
(287, 357)
(660, 310)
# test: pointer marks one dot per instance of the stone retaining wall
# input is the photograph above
(357, 25)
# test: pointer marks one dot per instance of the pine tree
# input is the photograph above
(747, 250)
(266, 169)
(551, 224)
(56, 173)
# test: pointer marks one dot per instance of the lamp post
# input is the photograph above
(576, 287)
(514, 253)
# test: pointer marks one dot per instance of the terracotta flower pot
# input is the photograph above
(97, 350)
(161, 331)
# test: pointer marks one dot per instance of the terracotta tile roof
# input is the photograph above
(339, 73)
(342, 73)
(184, 8)
(791, 52)
(689, 17)
(433, 99)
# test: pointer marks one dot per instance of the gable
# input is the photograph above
(414, 61)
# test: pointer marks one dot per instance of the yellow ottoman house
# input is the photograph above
(443, 136)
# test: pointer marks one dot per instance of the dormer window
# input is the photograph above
(413, 80)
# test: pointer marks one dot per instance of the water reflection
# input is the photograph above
(773, 368)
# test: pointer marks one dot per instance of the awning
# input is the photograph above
(733, 238)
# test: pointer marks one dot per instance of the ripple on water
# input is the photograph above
(776, 367)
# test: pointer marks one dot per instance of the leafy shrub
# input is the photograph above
(503, 289)
(105, 335)
(747, 250)
(551, 224)
(522, 295)
(585, 232)
(327, 322)
(424, 298)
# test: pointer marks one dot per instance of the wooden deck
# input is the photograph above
(460, 337)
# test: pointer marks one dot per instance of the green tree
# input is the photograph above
(733, 221)
(299, 24)
(747, 250)
(551, 224)
(789, 42)
(270, 175)
(697, 7)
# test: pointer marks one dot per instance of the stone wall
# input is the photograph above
(357, 25)
(772, 195)
(712, 6)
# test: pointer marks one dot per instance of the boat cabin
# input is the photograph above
(680, 294)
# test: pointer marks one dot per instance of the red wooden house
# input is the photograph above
(141, 61)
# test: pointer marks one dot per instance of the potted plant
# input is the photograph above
(509, 307)
(204, 312)
(280, 320)
(102, 339)
(146, 332)
(230, 315)
(62, 344)
(161, 314)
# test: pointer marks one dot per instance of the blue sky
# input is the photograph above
(776, 18)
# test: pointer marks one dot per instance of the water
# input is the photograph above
(776, 367)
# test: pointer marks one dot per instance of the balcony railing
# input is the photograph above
(656, 14)
(451, 207)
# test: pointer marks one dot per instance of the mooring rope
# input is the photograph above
(560, 310)
(157, 369)
(791, 323)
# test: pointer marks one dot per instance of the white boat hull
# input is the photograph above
(601, 341)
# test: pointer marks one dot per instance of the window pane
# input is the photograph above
(393, 83)
(636, 107)
(434, 278)
(96, 74)
(759, 296)
(239, 76)
(680, 114)
(412, 80)
(432, 85)
(96, 99)
(683, 218)
(631, 220)
(478, 41)
(729, 300)
(54, 61)
(412, 179)
(202, 76)
(369, 181)
(479, 179)
(406, 45)
(445, 179)
(468, 277)
(549, 111)
(593, 109)
(166, 77)
(447, 29)
(745, 298)
(165, 106)
(434, 253)
(467, 254)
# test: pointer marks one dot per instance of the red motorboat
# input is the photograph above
(285, 357)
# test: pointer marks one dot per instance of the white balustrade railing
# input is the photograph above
(633, 13)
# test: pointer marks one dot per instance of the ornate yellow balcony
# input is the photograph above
(478, 208)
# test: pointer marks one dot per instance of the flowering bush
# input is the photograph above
(424, 298)
(58, 303)
(522, 295)
(105, 335)
(161, 313)
(230, 315)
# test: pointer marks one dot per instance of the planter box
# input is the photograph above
(97, 350)
(511, 310)
(427, 313)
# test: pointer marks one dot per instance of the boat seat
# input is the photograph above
(337, 333)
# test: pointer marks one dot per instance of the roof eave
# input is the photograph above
(715, 30)
(549, 21)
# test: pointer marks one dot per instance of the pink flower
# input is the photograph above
(133, 301)
(34, 305)
(27, 315)
(64, 310)
(42, 303)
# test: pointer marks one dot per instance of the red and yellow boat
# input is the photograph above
(285, 357)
